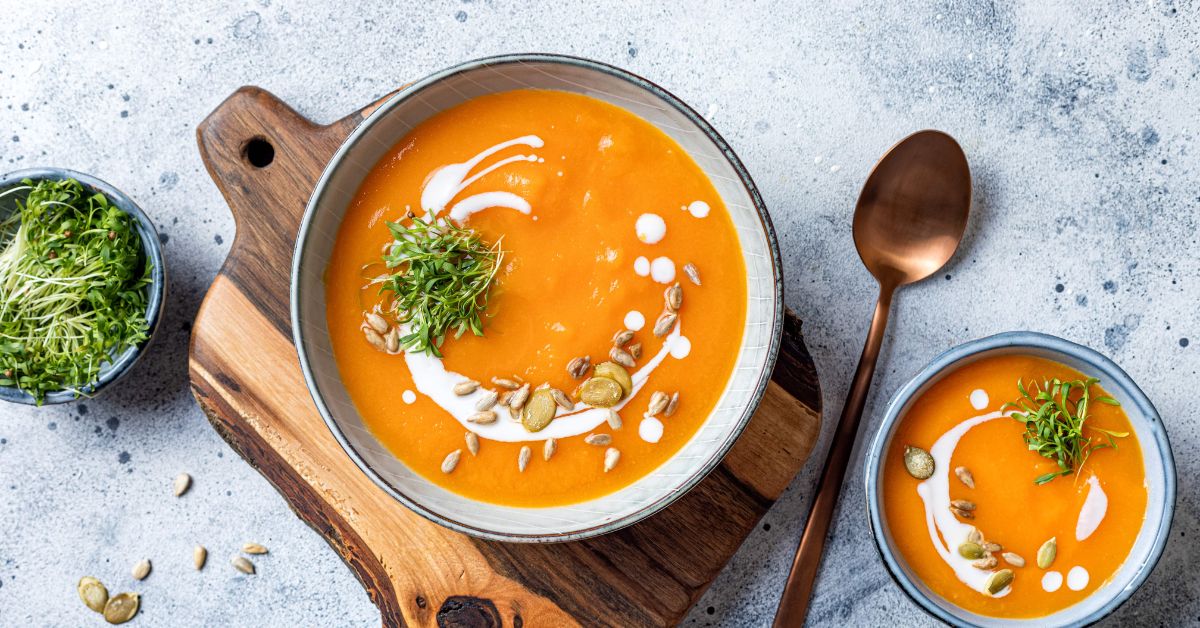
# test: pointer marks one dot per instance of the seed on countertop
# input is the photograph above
(665, 324)
(487, 417)
(1013, 559)
(989, 546)
(578, 367)
(523, 458)
(999, 581)
(451, 461)
(377, 322)
(600, 392)
(658, 403)
(182, 483)
(622, 338)
(548, 449)
(562, 400)
(375, 339)
(199, 557)
(599, 440)
(253, 548)
(1047, 553)
(243, 565)
(487, 401)
(672, 405)
(121, 608)
(93, 593)
(970, 551)
(613, 419)
(674, 297)
(635, 350)
(987, 562)
(466, 387)
(519, 397)
(472, 443)
(965, 514)
(622, 357)
(964, 475)
(692, 273)
(504, 382)
(962, 504)
(918, 462)
(611, 457)
(540, 410)
(141, 569)
(975, 536)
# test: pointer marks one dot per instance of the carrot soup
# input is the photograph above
(1014, 487)
(535, 298)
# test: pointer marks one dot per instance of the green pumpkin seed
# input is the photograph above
(93, 593)
(121, 608)
(970, 551)
(1047, 553)
(600, 392)
(617, 373)
(999, 581)
(539, 410)
(918, 462)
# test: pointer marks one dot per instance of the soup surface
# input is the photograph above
(1093, 515)
(597, 213)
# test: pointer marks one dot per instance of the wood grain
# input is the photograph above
(246, 377)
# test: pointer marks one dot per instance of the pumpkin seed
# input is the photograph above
(987, 562)
(487, 417)
(523, 458)
(375, 339)
(918, 462)
(93, 593)
(548, 449)
(377, 322)
(617, 373)
(611, 457)
(253, 548)
(962, 504)
(989, 546)
(199, 557)
(975, 536)
(692, 273)
(1013, 559)
(1047, 553)
(600, 392)
(451, 461)
(519, 397)
(182, 483)
(622, 357)
(665, 324)
(674, 297)
(141, 569)
(472, 443)
(539, 411)
(672, 405)
(487, 401)
(392, 340)
(614, 419)
(970, 551)
(466, 387)
(504, 382)
(578, 367)
(965, 514)
(635, 350)
(999, 581)
(964, 475)
(243, 565)
(121, 608)
(658, 403)
(622, 338)
(599, 440)
(562, 400)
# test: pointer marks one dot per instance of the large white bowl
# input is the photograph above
(441, 91)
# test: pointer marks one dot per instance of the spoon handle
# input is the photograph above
(793, 606)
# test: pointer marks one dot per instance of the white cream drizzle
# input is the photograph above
(935, 493)
(443, 184)
(1095, 506)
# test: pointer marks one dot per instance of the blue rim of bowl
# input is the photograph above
(151, 248)
(1108, 371)
(744, 176)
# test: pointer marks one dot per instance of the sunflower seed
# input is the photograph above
(473, 443)
(665, 324)
(466, 387)
(548, 449)
(614, 419)
(635, 350)
(622, 338)
(999, 581)
(964, 475)
(673, 297)
(987, 562)
(489, 399)
(242, 564)
(578, 367)
(622, 357)
(599, 440)
(93, 593)
(199, 557)
(989, 546)
(562, 400)
(918, 462)
(504, 382)
(253, 548)
(1013, 559)
(611, 457)
(487, 417)
(970, 551)
(451, 461)
(375, 339)
(689, 269)
(672, 405)
(519, 397)
(658, 403)
(505, 397)
(965, 514)
(121, 608)
(975, 536)
(141, 569)
(377, 322)
(523, 458)
(182, 483)
(392, 340)
(1047, 553)
(962, 504)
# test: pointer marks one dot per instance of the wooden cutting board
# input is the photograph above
(266, 158)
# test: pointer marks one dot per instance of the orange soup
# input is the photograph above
(580, 367)
(981, 517)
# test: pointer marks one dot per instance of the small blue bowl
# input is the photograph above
(151, 248)
(1156, 453)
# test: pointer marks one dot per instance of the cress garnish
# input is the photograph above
(1054, 414)
(439, 278)
(72, 287)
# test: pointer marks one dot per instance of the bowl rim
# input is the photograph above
(1109, 371)
(752, 400)
(151, 248)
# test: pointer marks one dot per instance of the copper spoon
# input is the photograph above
(909, 220)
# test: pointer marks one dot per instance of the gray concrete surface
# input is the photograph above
(1079, 119)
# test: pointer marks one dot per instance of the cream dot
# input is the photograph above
(408, 396)
(650, 228)
(634, 320)
(698, 209)
(979, 399)
(1077, 578)
(641, 266)
(662, 270)
(681, 347)
(650, 429)
(1051, 581)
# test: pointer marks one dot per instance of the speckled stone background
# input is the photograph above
(1079, 118)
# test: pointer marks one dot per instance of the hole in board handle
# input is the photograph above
(259, 152)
